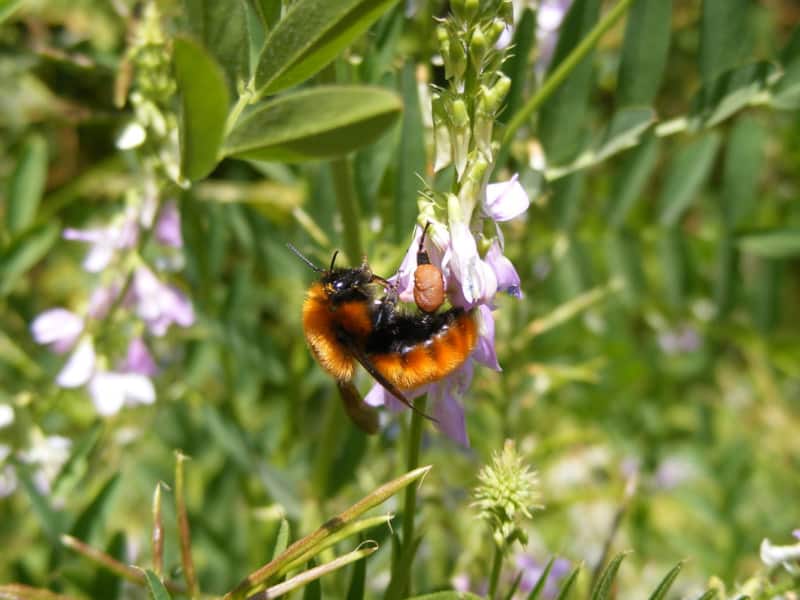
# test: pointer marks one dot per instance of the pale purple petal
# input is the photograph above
(505, 201)
(485, 352)
(139, 360)
(89, 236)
(79, 366)
(796, 533)
(98, 258)
(58, 327)
(111, 391)
(376, 396)
(507, 277)
(449, 413)
(475, 278)
(380, 396)
(403, 280)
(160, 305)
(168, 228)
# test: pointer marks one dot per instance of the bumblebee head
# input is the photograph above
(341, 283)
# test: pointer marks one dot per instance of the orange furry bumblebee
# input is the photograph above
(347, 323)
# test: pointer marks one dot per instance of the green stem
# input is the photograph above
(410, 505)
(348, 208)
(561, 73)
(495, 576)
(236, 112)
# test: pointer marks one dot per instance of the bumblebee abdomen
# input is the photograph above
(432, 359)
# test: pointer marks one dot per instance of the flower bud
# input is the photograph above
(478, 46)
(458, 8)
(494, 31)
(458, 60)
(471, 9)
(459, 134)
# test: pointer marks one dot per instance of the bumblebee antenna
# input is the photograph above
(333, 259)
(304, 259)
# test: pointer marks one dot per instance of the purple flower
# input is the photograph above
(168, 227)
(106, 241)
(111, 391)
(139, 360)
(682, 340)
(505, 201)
(57, 327)
(507, 277)
(159, 305)
(532, 570)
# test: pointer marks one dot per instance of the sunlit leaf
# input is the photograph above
(625, 130)
(318, 123)
(744, 155)
(663, 587)
(732, 91)
(629, 183)
(449, 595)
(8, 7)
(204, 107)
(603, 587)
(776, 243)
(310, 36)
(155, 587)
(724, 36)
(539, 586)
(569, 581)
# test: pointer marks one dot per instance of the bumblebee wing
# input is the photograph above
(365, 362)
(364, 416)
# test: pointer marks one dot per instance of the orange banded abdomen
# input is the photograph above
(431, 360)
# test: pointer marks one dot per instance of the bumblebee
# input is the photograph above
(347, 322)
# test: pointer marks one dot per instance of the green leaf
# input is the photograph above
(674, 266)
(448, 595)
(625, 261)
(708, 595)
(221, 26)
(77, 464)
(724, 36)
(644, 52)
(743, 159)
(94, 514)
(725, 276)
(539, 586)
(562, 117)
(313, 591)
(563, 593)
(731, 92)
(51, 520)
(410, 157)
(282, 539)
(309, 37)
(661, 591)
(204, 107)
(26, 184)
(344, 118)
(606, 580)
(686, 174)
(156, 588)
(269, 11)
(785, 95)
(8, 8)
(24, 252)
(106, 584)
(630, 183)
(625, 130)
(776, 243)
(517, 67)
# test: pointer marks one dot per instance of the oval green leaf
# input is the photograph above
(310, 36)
(26, 184)
(323, 122)
(24, 252)
(204, 107)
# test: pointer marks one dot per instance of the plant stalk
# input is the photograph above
(497, 563)
(348, 208)
(410, 504)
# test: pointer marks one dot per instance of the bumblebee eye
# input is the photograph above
(338, 285)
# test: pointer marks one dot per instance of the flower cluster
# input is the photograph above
(464, 238)
(128, 285)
